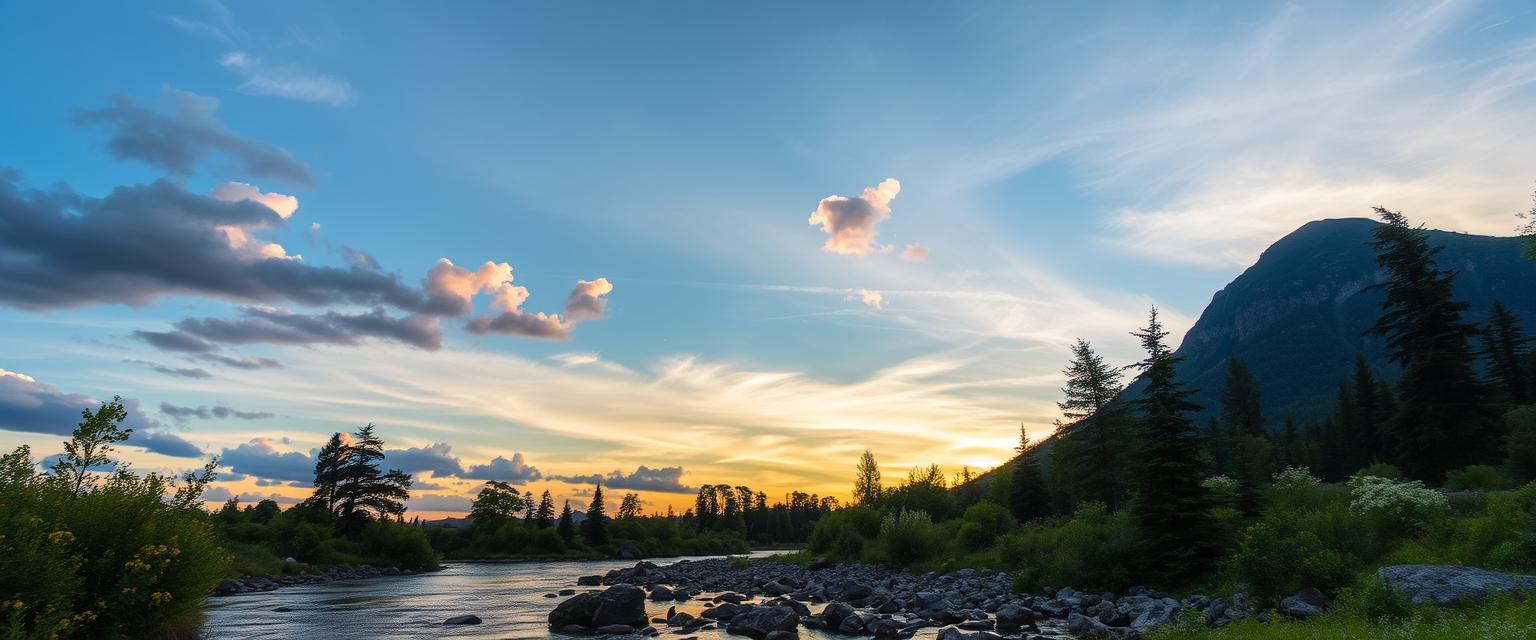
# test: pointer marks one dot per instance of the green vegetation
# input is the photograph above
(94, 550)
(1366, 618)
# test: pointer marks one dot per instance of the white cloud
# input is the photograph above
(288, 82)
(850, 222)
(237, 191)
(915, 253)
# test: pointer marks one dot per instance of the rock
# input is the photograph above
(462, 620)
(660, 593)
(725, 611)
(614, 630)
(550, 595)
(573, 628)
(776, 588)
(851, 626)
(799, 609)
(589, 581)
(283, 609)
(835, 612)
(761, 621)
(1114, 618)
(619, 605)
(883, 628)
(849, 590)
(733, 598)
(1443, 585)
(1306, 603)
(680, 619)
(1012, 616)
(782, 635)
(818, 564)
(567, 592)
(631, 551)
(226, 587)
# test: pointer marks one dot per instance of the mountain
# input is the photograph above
(1298, 315)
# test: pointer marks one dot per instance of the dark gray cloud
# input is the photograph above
(221, 494)
(180, 132)
(175, 341)
(260, 459)
(514, 471)
(29, 406)
(359, 258)
(437, 458)
(167, 444)
(663, 480)
(439, 502)
(248, 362)
(276, 325)
(62, 250)
(182, 414)
(197, 373)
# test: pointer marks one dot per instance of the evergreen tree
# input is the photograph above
(364, 492)
(1027, 497)
(866, 484)
(1093, 458)
(1171, 505)
(328, 471)
(1441, 422)
(1241, 401)
(544, 517)
(1365, 440)
(595, 527)
(1504, 346)
(530, 509)
(567, 526)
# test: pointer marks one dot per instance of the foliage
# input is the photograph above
(1408, 505)
(1094, 550)
(1027, 497)
(1279, 556)
(497, 504)
(595, 527)
(1501, 618)
(1520, 456)
(842, 534)
(1382, 601)
(102, 555)
(1091, 443)
(866, 484)
(1503, 345)
(983, 523)
(906, 538)
(1478, 477)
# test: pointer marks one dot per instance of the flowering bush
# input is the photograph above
(1296, 478)
(1409, 504)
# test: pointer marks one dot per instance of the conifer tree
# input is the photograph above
(1171, 505)
(1027, 498)
(363, 491)
(1365, 440)
(530, 510)
(1504, 346)
(866, 484)
(1442, 422)
(595, 527)
(1093, 455)
(328, 469)
(567, 526)
(1241, 400)
(544, 517)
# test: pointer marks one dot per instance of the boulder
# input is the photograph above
(620, 604)
(631, 551)
(883, 628)
(1012, 616)
(776, 588)
(661, 593)
(851, 626)
(1443, 585)
(799, 609)
(819, 563)
(462, 620)
(614, 630)
(567, 592)
(1306, 603)
(725, 611)
(589, 581)
(783, 635)
(835, 612)
(226, 587)
(680, 619)
(849, 590)
(761, 621)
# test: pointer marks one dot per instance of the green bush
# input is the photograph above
(1093, 551)
(1276, 558)
(1520, 448)
(842, 534)
(1381, 470)
(1382, 601)
(983, 523)
(1478, 477)
(906, 538)
(399, 543)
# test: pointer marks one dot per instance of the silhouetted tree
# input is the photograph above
(595, 527)
(567, 526)
(363, 491)
(1504, 346)
(544, 517)
(1171, 505)
(1028, 498)
(866, 483)
(1090, 447)
(1442, 422)
(496, 505)
(629, 506)
(91, 442)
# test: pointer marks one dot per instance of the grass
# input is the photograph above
(1502, 618)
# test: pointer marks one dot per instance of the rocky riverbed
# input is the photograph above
(269, 582)
(772, 600)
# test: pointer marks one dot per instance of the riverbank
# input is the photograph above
(270, 582)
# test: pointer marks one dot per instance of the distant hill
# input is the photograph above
(1298, 314)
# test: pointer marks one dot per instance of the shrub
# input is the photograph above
(842, 533)
(1093, 551)
(403, 544)
(1521, 445)
(983, 523)
(1397, 504)
(1381, 470)
(1383, 601)
(1224, 490)
(1478, 477)
(1276, 558)
(906, 538)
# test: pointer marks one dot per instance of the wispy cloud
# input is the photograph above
(288, 82)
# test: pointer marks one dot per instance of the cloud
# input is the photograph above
(175, 341)
(221, 494)
(584, 303)
(259, 458)
(514, 471)
(915, 253)
(167, 444)
(663, 480)
(178, 141)
(163, 241)
(871, 298)
(48, 461)
(282, 205)
(287, 82)
(182, 414)
(250, 362)
(277, 325)
(436, 458)
(438, 502)
(196, 373)
(850, 222)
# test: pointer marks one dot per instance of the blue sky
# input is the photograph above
(1065, 166)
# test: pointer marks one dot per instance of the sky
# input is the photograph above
(666, 245)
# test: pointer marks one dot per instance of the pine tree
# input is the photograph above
(1504, 346)
(1365, 438)
(595, 527)
(1241, 401)
(1171, 505)
(567, 526)
(1441, 423)
(328, 469)
(1095, 454)
(1027, 498)
(363, 491)
(544, 517)
(866, 484)
(530, 508)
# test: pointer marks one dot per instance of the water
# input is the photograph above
(508, 597)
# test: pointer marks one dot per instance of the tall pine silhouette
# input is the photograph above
(1171, 506)
(1442, 422)
(1089, 452)
(595, 527)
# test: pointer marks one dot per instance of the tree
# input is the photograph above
(349, 483)
(1504, 348)
(1171, 505)
(328, 471)
(530, 508)
(496, 505)
(1527, 231)
(629, 506)
(545, 515)
(90, 444)
(1442, 422)
(1027, 498)
(595, 527)
(866, 484)
(567, 526)
(1093, 454)
(1241, 401)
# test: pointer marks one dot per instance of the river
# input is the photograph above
(508, 597)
